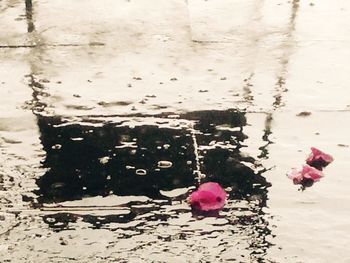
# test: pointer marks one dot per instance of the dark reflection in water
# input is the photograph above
(87, 161)
(93, 157)
(90, 157)
(266, 137)
(29, 16)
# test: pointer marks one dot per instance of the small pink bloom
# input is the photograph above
(295, 175)
(305, 176)
(209, 196)
(318, 159)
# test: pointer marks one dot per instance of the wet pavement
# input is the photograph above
(111, 114)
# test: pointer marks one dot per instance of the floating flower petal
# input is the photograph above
(306, 175)
(318, 159)
(209, 197)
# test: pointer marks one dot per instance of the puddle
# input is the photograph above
(107, 125)
(131, 176)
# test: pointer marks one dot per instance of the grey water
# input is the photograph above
(112, 113)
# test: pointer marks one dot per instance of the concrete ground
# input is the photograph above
(284, 64)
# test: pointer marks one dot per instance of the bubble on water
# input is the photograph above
(129, 167)
(57, 185)
(189, 162)
(50, 219)
(77, 139)
(228, 189)
(166, 146)
(108, 177)
(201, 176)
(56, 147)
(104, 160)
(84, 188)
(165, 164)
(141, 172)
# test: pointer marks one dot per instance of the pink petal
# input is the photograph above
(318, 159)
(326, 157)
(306, 172)
(295, 175)
(309, 172)
(209, 196)
(214, 188)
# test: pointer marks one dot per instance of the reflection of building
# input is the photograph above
(95, 156)
(141, 156)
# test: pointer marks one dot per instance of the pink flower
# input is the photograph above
(209, 197)
(305, 176)
(318, 159)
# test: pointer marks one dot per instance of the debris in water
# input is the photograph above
(304, 114)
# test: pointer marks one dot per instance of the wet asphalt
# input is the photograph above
(113, 111)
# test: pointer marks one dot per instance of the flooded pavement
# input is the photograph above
(111, 114)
